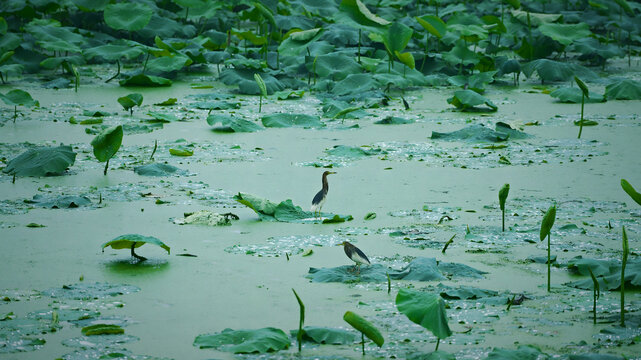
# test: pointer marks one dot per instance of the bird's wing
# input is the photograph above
(319, 197)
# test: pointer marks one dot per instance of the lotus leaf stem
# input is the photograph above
(549, 262)
(438, 341)
(133, 253)
(363, 343)
(106, 166)
(117, 73)
(154, 151)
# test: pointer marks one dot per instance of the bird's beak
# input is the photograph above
(333, 172)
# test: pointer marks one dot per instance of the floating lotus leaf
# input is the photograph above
(393, 120)
(245, 341)
(573, 95)
(166, 64)
(468, 100)
(297, 42)
(59, 202)
(159, 169)
(324, 335)
(565, 33)
(232, 124)
(335, 66)
(127, 16)
(292, 120)
(244, 79)
(464, 292)
(145, 80)
(42, 161)
(285, 211)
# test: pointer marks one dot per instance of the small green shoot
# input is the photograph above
(596, 294)
(389, 284)
(626, 252)
(365, 327)
(301, 320)
(585, 94)
(451, 240)
(510, 302)
(546, 226)
(505, 190)
(263, 90)
(154, 151)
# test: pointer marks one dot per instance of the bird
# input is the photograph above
(355, 254)
(321, 196)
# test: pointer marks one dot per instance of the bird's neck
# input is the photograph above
(325, 184)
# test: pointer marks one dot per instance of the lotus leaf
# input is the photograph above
(145, 80)
(594, 356)
(573, 95)
(425, 309)
(464, 292)
(625, 89)
(591, 48)
(393, 120)
(244, 79)
(127, 16)
(297, 42)
(106, 144)
(162, 117)
(131, 100)
(356, 12)
(565, 33)
(292, 120)
(353, 152)
(365, 327)
(232, 124)
(335, 66)
(396, 37)
(472, 133)
(165, 64)
(18, 97)
(56, 38)
(433, 24)
(460, 54)
(42, 161)
(181, 151)
(523, 352)
(91, 5)
(608, 274)
(158, 169)
(467, 100)
(535, 19)
(549, 70)
(355, 84)
(476, 82)
(59, 202)
(130, 241)
(102, 329)
(547, 222)
(285, 211)
(54, 62)
(324, 335)
(245, 341)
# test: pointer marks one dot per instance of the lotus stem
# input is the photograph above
(133, 253)
(581, 122)
(359, 46)
(389, 284)
(438, 341)
(363, 343)
(15, 113)
(549, 262)
(510, 302)
(503, 220)
(105, 172)
(154, 151)
(117, 73)
(260, 104)
(299, 335)
(594, 307)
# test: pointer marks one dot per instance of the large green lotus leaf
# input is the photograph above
(145, 80)
(11, 69)
(464, 292)
(433, 24)
(425, 309)
(259, 205)
(549, 70)
(623, 90)
(335, 66)
(112, 52)
(610, 277)
(91, 5)
(355, 84)
(591, 47)
(297, 42)
(460, 54)
(325, 335)
(356, 13)
(232, 124)
(476, 82)
(523, 352)
(471, 33)
(459, 270)
(19, 97)
(127, 16)
(352, 152)
(599, 267)
(574, 95)
(106, 144)
(168, 63)
(292, 120)
(159, 169)
(342, 109)
(245, 341)
(468, 100)
(9, 41)
(396, 37)
(284, 211)
(419, 269)
(54, 62)
(565, 33)
(536, 19)
(129, 240)
(244, 79)
(472, 133)
(367, 328)
(53, 37)
(42, 161)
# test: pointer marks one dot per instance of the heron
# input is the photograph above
(321, 196)
(355, 254)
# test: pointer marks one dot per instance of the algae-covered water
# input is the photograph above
(241, 276)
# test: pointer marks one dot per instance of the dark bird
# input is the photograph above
(321, 196)
(355, 254)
